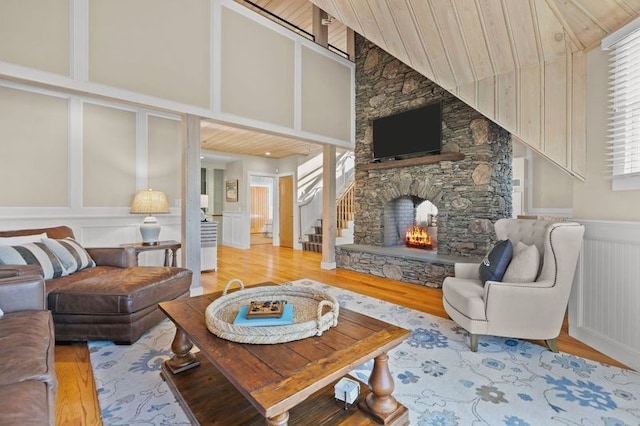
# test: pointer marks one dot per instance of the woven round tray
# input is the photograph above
(314, 312)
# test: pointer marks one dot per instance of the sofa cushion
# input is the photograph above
(26, 339)
(495, 263)
(72, 255)
(34, 402)
(33, 254)
(524, 264)
(119, 291)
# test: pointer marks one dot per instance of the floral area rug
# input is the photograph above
(437, 377)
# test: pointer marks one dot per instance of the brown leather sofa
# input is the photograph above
(27, 374)
(116, 300)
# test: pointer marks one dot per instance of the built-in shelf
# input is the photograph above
(408, 162)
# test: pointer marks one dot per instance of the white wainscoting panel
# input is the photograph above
(604, 310)
(236, 229)
(105, 231)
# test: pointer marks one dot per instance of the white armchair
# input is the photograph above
(529, 310)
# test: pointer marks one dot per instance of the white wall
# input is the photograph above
(215, 59)
(593, 198)
(77, 161)
(236, 215)
(134, 60)
(603, 306)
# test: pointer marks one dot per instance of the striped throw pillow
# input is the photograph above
(33, 254)
(73, 256)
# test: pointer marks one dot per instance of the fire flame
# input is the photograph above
(418, 237)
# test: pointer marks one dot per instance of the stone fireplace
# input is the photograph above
(469, 184)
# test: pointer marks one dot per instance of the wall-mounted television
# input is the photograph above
(409, 133)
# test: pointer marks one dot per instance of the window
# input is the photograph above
(624, 113)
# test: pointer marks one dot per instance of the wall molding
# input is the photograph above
(603, 310)
(78, 83)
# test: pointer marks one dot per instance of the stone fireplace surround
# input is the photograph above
(470, 193)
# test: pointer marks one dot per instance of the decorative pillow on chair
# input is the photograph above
(524, 265)
(494, 265)
(33, 254)
(73, 256)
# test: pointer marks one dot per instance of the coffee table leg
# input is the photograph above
(379, 402)
(182, 358)
(279, 420)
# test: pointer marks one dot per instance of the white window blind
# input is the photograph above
(624, 114)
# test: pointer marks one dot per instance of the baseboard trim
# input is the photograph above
(328, 265)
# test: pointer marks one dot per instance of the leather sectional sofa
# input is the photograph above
(115, 300)
(27, 373)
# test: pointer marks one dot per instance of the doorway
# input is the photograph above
(285, 209)
(262, 200)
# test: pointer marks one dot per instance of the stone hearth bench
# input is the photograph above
(400, 263)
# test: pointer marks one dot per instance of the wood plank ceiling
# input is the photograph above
(218, 137)
(521, 63)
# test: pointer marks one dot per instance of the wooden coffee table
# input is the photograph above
(286, 383)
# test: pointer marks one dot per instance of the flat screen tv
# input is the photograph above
(409, 133)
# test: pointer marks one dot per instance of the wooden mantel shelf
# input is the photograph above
(408, 162)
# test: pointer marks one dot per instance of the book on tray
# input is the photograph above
(244, 317)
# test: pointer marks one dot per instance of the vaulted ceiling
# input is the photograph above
(521, 63)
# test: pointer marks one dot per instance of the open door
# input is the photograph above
(285, 208)
(263, 190)
(259, 209)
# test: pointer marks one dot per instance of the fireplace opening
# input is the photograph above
(410, 221)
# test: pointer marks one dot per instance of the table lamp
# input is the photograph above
(149, 202)
(204, 205)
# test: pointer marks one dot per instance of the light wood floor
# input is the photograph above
(77, 402)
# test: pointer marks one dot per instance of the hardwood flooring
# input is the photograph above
(77, 402)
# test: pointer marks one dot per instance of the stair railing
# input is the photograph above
(345, 208)
(312, 183)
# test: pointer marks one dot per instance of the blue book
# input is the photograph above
(285, 319)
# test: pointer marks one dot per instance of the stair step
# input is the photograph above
(314, 238)
(314, 247)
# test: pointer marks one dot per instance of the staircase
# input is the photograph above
(314, 240)
(344, 225)
(310, 204)
(344, 207)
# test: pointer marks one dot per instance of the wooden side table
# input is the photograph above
(170, 248)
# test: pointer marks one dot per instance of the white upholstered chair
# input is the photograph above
(530, 310)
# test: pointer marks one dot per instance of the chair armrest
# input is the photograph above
(467, 270)
(22, 293)
(8, 271)
(121, 257)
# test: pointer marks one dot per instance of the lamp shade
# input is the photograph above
(149, 202)
(204, 201)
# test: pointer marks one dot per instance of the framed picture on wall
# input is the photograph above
(231, 190)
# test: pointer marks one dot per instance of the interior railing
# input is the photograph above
(292, 27)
